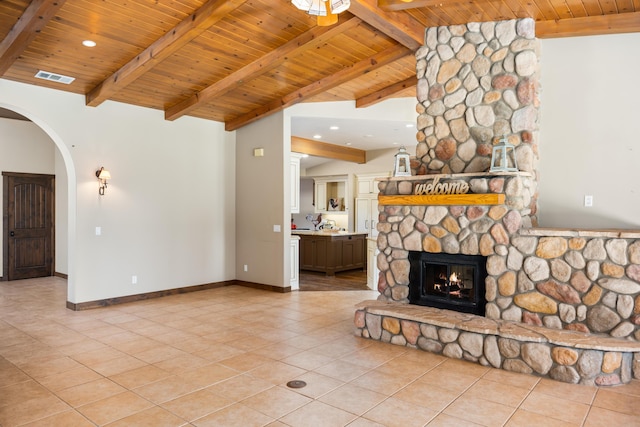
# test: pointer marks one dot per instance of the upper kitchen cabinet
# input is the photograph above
(366, 184)
(331, 194)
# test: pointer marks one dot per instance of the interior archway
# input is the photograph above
(65, 154)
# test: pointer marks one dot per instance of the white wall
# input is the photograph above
(263, 201)
(589, 132)
(168, 215)
(25, 148)
(62, 214)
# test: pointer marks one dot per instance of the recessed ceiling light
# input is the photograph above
(409, 125)
(317, 136)
(348, 143)
(89, 43)
(395, 143)
(368, 136)
(334, 128)
(304, 156)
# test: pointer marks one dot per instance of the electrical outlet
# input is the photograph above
(588, 201)
(246, 267)
(134, 280)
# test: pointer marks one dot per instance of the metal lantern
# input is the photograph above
(403, 165)
(502, 155)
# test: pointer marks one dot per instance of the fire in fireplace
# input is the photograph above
(450, 281)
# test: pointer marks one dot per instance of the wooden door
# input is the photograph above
(28, 225)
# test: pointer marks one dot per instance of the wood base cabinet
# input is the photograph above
(332, 253)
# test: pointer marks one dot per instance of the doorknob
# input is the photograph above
(11, 233)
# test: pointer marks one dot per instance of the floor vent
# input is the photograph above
(54, 77)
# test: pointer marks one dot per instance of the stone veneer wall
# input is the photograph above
(468, 230)
(477, 83)
(585, 281)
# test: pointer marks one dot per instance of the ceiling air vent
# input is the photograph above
(54, 77)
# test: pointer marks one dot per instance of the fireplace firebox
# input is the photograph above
(451, 281)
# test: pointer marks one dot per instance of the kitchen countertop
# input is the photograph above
(324, 233)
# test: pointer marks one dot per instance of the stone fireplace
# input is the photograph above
(559, 303)
(455, 282)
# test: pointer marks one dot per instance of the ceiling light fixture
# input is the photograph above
(316, 136)
(326, 11)
(89, 43)
(334, 128)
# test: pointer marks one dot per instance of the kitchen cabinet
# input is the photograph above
(331, 252)
(366, 203)
(295, 182)
(367, 184)
(331, 194)
(295, 263)
(367, 216)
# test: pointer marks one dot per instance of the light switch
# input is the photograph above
(276, 228)
(98, 231)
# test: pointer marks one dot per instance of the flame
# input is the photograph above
(453, 277)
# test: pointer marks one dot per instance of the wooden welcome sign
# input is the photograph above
(442, 193)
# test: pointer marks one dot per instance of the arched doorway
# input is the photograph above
(65, 193)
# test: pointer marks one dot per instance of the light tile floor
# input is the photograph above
(223, 357)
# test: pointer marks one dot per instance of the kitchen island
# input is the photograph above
(331, 251)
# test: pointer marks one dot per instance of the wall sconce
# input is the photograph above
(103, 175)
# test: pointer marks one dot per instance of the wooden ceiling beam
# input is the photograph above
(308, 40)
(329, 151)
(31, 22)
(348, 73)
(399, 26)
(589, 26)
(396, 5)
(386, 93)
(187, 30)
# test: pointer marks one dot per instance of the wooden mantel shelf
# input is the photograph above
(442, 199)
(454, 176)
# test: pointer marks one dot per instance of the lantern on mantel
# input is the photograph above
(402, 165)
(503, 157)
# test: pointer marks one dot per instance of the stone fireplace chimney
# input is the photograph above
(476, 84)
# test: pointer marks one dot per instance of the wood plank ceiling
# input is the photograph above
(235, 61)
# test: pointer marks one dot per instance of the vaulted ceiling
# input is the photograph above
(235, 61)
